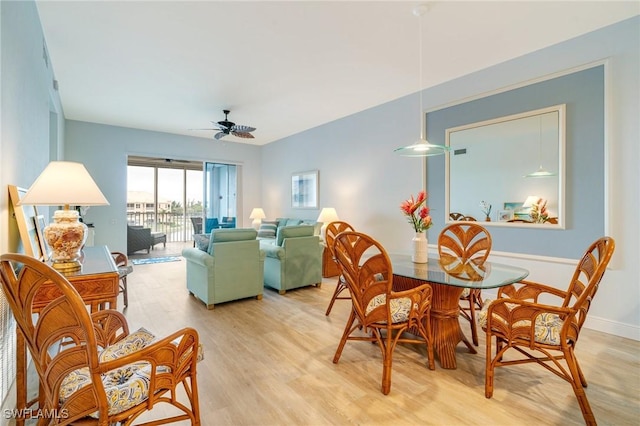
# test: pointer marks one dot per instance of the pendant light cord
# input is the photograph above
(419, 12)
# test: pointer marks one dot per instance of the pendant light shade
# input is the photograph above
(421, 148)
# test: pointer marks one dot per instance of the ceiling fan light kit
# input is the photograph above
(226, 127)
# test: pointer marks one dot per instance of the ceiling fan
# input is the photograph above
(227, 127)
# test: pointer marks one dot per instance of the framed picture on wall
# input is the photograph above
(304, 190)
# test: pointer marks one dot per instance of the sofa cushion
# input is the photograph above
(317, 226)
(268, 229)
(293, 231)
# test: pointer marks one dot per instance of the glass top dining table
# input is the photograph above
(484, 276)
(448, 277)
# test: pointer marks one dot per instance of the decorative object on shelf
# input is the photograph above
(326, 216)
(538, 212)
(421, 148)
(257, 214)
(65, 183)
(418, 217)
(486, 209)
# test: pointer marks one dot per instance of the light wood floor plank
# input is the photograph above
(269, 362)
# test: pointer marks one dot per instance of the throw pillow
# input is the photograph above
(202, 241)
(268, 229)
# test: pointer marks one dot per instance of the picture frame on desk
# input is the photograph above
(24, 216)
(40, 224)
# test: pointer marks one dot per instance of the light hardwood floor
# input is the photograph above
(269, 362)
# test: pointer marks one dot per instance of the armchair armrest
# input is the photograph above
(529, 290)
(177, 351)
(273, 251)
(197, 256)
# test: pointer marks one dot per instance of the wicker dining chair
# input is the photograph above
(468, 242)
(378, 313)
(332, 231)
(518, 319)
(124, 269)
(91, 369)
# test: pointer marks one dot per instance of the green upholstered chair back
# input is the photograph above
(293, 232)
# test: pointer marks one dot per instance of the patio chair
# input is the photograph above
(333, 229)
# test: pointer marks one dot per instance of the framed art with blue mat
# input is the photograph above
(156, 260)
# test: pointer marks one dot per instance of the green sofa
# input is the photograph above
(232, 267)
(293, 258)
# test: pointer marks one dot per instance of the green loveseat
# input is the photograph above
(293, 258)
(232, 268)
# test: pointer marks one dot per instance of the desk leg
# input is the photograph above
(21, 375)
(445, 314)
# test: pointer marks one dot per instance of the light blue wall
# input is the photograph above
(583, 94)
(104, 150)
(26, 99)
(365, 181)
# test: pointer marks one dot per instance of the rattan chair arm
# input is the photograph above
(175, 351)
(508, 314)
(525, 289)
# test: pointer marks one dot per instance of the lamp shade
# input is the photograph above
(328, 215)
(257, 213)
(531, 200)
(64, 183)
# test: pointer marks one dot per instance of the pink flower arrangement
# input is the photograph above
(417, 212)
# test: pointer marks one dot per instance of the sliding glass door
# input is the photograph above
(220, 196)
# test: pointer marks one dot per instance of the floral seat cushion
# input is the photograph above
(399, 307)
(547, 326)
(125, 387)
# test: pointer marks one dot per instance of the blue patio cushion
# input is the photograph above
(293, 231)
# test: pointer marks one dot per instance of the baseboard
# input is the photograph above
(604, 325)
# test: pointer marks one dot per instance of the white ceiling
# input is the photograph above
(283, 67)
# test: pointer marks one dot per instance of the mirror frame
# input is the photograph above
(561, 176)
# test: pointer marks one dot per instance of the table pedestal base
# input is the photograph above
(445, 313)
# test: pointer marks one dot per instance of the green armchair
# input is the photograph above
(232, 268)
(293, 259)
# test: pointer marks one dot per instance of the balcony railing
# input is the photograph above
(177, 226)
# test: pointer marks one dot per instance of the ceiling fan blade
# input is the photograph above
(204, 129)
(245, 135)
(243, 129)
(220, 135)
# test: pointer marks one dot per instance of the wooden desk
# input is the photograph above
(97, 283)
(445, 304)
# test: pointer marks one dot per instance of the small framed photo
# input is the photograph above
(304, 190)
(505, 215)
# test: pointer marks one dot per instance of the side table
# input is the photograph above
(329, 266)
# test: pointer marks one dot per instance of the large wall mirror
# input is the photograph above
(498, 162)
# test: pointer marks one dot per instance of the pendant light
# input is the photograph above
(541, 172)
(422, 147)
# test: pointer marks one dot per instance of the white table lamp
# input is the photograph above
(257, 214)
(64, 183)
(327, 215)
